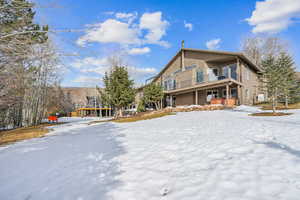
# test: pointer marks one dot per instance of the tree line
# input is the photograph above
(29, 82)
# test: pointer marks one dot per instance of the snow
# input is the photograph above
(211, 155)
(248, 109)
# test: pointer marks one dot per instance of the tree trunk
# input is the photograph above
(156, 106)
(120, 112)
(286, 101)
(273, 104)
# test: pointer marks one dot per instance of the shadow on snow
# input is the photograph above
(75, 164)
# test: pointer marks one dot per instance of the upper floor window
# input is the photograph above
(199, 76)
(230, 69)
(213, 74)
(177, 71)
(190, 67)
(170, 84)
(233, 69)
(247, 74)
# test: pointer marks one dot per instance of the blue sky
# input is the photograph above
(148, 33)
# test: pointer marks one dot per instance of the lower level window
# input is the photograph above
(247, 94)
(213, 93)
(232, 94)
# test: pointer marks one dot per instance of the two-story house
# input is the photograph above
(199, 77)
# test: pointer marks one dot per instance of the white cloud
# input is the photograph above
(128, 17)
(139, 74)
(92, 65)
(189, 26)
(109, 13)
(98, 66)
(139, 51)
(213, 44)
(88, 80)
(124, 15)
(273, 16)
(156, 28)
(111, 31)
(127, 31)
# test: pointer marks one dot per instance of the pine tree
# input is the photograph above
(118, 91)
(153, 93)
(271, 79)
(288, 77)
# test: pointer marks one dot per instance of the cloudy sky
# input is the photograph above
(148, 33)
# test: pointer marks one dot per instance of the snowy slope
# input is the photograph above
(209, 155)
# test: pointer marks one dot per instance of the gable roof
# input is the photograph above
(237, 54)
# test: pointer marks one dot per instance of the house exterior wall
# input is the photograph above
(185, 99)
(185, 76)
(250, 90)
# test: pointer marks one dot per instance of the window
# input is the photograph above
(165, 85)
(213, 93)
(177, 71)
(233, 74)
(213, 74)
(170, 84)
(247, 74)
(233, 92)
(224, 93)
(190, 67)
(215, 71)
(247, 94)
(225, 72)
(174, 84)
(199, 76)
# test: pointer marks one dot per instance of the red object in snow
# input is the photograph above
(52, 119)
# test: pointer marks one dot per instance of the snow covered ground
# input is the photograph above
(209, 155)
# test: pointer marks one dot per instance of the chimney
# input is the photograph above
(182, 56)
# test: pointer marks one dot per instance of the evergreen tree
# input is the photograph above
(17, 19)
(271, 79)
(153, 93)
(118, 91)
(288, 77)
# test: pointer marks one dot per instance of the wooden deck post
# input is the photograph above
(227, 94)
(196, 97)
(240, 94)
(171, 100)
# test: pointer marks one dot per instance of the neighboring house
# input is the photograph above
(202, 77)
(86, 101)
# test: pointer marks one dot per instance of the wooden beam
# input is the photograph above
(227, 94)
(196, 96)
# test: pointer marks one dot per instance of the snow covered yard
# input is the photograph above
(211, 155)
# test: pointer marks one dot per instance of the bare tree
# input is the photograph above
(260, 48)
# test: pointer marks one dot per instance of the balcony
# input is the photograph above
(191, 78)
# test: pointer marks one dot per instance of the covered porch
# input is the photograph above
(227, 93)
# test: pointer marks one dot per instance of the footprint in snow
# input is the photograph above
(164, 191)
